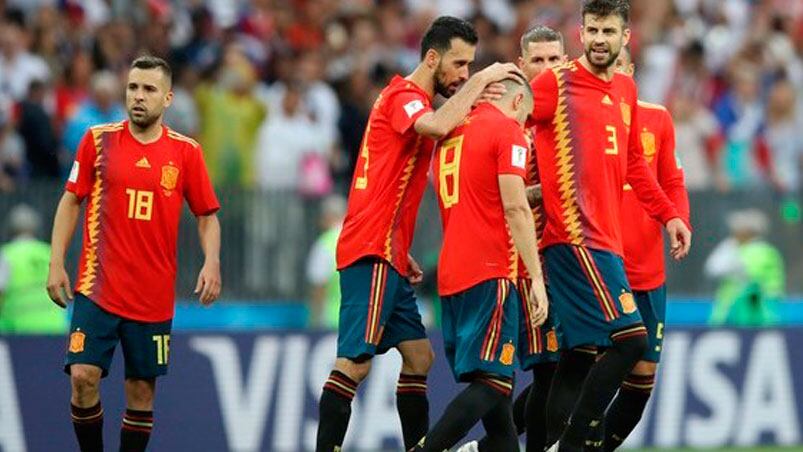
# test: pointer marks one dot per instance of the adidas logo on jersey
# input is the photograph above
(143, 163)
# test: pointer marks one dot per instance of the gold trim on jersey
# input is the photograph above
(177, 136)
(93, 213)
(565, 166)
(407, 174)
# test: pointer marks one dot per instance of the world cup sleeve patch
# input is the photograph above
(519, 156)
(413, 107)
(74, 172)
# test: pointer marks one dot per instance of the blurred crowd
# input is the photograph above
(278, 91)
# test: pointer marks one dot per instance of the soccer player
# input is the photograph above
(378, 307)
(134, 177)
(479, 178)
(644, 262)
(587, 146)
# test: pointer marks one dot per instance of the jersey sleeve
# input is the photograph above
(639, 176)
(670, 172)
(545, 97)
(198, 190)
(82, 173)
(404, 109)
(512, 152)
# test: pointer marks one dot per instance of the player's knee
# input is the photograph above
(644, 368)
(419, 360)
(632, 347)
(356, 370)
(85, 380)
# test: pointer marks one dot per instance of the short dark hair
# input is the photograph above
(151, 62)
(540, 33)
(602, 8)
(443, 30)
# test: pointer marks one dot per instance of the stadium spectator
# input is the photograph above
(73, 88)
(322, 275)
(784, 123)
(36, 129)
(696, 131)
(182, 116)
(24, 305)
(102, 107)
(230, 116)
(750, 270)
(18, 67)
(12, 155)
(741, 115)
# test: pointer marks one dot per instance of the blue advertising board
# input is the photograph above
(258, 392)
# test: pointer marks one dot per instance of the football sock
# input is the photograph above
(501, 433)
(88, 426)
(568, 378)
(136, 430)
(471, 405)
(413, 407)
(334, 411)
(601, 385)
(626, 410)
(536, 406)
(519, 408)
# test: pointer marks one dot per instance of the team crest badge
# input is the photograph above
(508, 351)
(648, 143)
(551, 341)
(627, 302)
(77, 342)
(169, 177)
(625, 107)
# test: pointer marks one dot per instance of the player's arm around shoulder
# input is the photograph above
(437, 124)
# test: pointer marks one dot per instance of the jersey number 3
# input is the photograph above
(449, 173)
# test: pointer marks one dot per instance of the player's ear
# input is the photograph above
(565, 57)
(518, 100)
(168, 99)
(626, 39)
(520, 63)
(432, 58)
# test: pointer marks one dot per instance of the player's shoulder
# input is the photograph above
(652, 106)
(178, 138)
(569, 66)
(111, 127)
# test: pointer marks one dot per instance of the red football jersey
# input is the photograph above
(643, 240)
(539, 215)
(135, 193)
(390, 179)
(587, 150)
(477, 245)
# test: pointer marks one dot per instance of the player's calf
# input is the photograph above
(334, 408)
(627, 408)
(137, 425)
(85, 409)
(602, 383)
(411, 390)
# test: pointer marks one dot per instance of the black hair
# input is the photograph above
(151, 62)
(602, 8)
(443, 30)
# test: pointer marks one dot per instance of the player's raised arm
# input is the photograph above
(437, 124)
